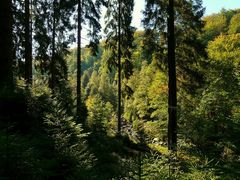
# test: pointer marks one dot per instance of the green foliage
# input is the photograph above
(68, 140)
(225, 48)
(138, 55)
(92, 87)
(126, 35)
(224, 22)
(100, 114)
(234, 26)
(212, 124)
(91, 12)
(154, 166)
(202, 173)
(57, 145)
(106, 89)
(60, 12)
(148, 101)
(40, 138)
(214, 26)
(189, 49)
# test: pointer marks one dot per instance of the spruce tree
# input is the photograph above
(88, 12)
(28, 44)
(189, 49)
(120, 41)
(172, 87)
(6, 44)
(19, 36)
(91, 14)
(79, 19)
(51, 26)
(168, 24)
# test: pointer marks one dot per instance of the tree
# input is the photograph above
(120, 40)
(42, 35)
(214, 25)
(93, 83)
(189, 49)
(6, 43)
(52, 82)
(163, 34)
(18, 8)
(88, 10)
(234, 26)
(99, 113)
(92, 13)
(119, 68)
(172, 86)
(52, 39)
(28, 44)
(79, 59)
(148, 103)
(213, 125)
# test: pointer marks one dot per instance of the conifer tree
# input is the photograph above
(91, 14)
(88, 13)
(172, 87)
(189, 49)
(120, 41)
(6, 44)
(52, 38)
(79, 59)
(28, 44)
(19, 35)
(183, 27)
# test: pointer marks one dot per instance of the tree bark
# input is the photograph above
(119, 68)
(53, 60)
(28, 45)
(79, 60)
(172, 94)
(6, 45)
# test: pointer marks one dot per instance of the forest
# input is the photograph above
(160, 102)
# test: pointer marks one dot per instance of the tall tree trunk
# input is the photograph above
(119, 67)
(79, 60)
(6, 44)
(28, 44)
(172, 96)
(53, 60)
